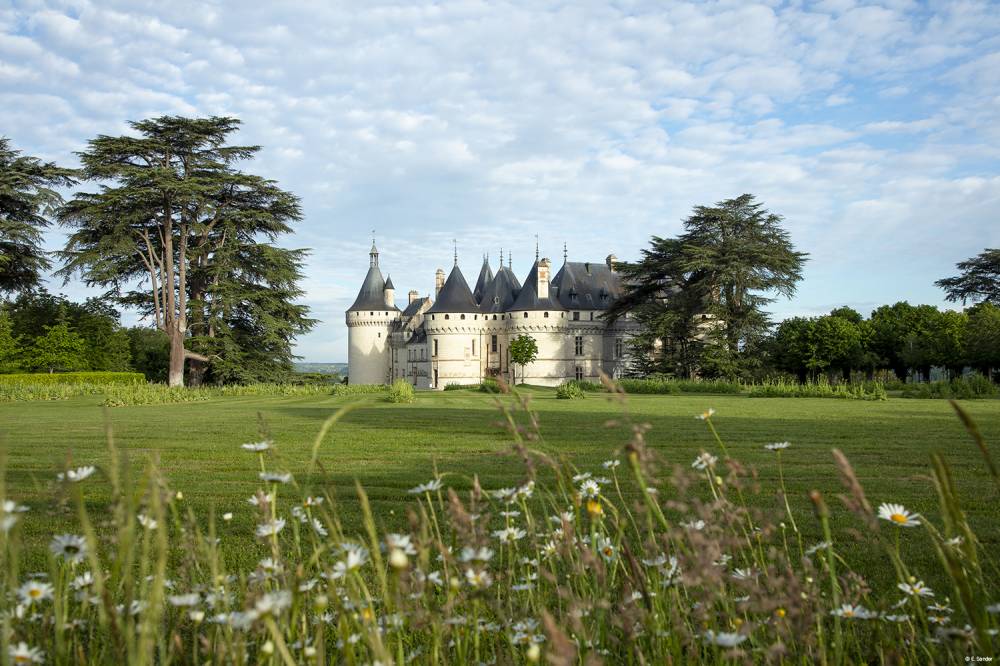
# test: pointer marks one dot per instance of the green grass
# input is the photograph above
(392, 447)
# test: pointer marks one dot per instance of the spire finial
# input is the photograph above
(455, 242)
(536, 247)
(510, 262)
(565, 253)
(373, 253)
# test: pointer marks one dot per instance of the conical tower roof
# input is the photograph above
(485, 277)
(500, 292)
(528, 299)
(455, 295)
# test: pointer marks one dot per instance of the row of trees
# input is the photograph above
(40, 332)
(907, 339)
(175, 230)
(700, 298)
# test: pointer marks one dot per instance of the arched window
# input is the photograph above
(447, 316)
(463, 316)
(546, 315)
(525, 315)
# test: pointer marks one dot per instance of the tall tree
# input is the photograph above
(523, 350)
(707, 288)
(26, 197)
(59, 349)
(979, 281)
(10, 346)
(179, 219)
(982, 338)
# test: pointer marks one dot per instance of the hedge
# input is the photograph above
(100, 378)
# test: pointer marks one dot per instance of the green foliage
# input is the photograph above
(982, 337)
(27, 195)
(570, 391)
(821, 388)
(359, 389)
(700, 296)
(668, 386)
(979, 279)
(401, 392)
(961, 388)
(10, 347)
(458, 387)
(175, 213)
(95, 378)
(32, 392)
(587, 387)
(149, 349)
(60, 349)
(489, 386)
(523, 350)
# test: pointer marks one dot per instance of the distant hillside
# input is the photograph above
(322, 368)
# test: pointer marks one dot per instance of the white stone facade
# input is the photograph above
(463, 336)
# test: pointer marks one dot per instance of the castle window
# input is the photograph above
(494, 317)
(579, 373)
(546, 315)
(493, 341)
(578, 345)
(447, 316)
(473, 346)
(525, 315)
(576, 316)
(463, 316)
(380, 334)
(618, 347)
(435, 348)
(371, 314)
(591, 315)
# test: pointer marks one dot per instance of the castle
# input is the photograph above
(462, 336)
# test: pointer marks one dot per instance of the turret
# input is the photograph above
(389, 293)
(369, 322)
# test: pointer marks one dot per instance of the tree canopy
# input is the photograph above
(27, 195)
(179, 232)
(523, 350)
(700, 297)
(979, 279)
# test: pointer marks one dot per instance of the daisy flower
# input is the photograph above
(896, 514)
(589, 488)
(510, 534)
(724, 638)
(853, 612)
(431, 486)
(33, 591)
(777, 446)
(704, 461)
(270, 528)
(275, 477)
(257, 447)
(470, 554)
(400, 542)
(273, 603)
(611, 464)
(478, 578)
(78, 474)
(696, 525)
(70, 547)
(23, 654)
(705, 415)
(917, 589)
(184, 600)
(147, 522)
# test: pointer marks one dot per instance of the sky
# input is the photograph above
(874, 129)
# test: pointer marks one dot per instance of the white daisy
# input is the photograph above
(853, 612)
(184, 600)
(611, 464)
(478, 578)
(23, 654)
(777, 446)
(70, 547)
(258, 447)
(275, 477)
(510, 534)
(696, 525)
(589, 489)
(896, 514)
(147, 522)
(706, 415)
(34, 591)
(77, 475)
(270, 528)
(917, 589)
(431, 486)
(400, 542)
(704, 461)
(724, 638)
(273, 603)
(482, 554)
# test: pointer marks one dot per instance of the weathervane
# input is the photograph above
(565, 254)
(455, 242)
(536, 247)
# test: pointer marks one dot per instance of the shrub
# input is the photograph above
(649, 386)
(458, 387)
(821, 388)
(587, 387)
(962, 388)
(359, 389)
(96, 378)
(489, 386)
(401, 391)
(669, 386)
(569, 391)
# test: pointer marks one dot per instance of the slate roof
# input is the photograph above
(414, 307)
(388, 282)
(500, 293)
(485, 277)
(455, 295)
(372, 294)
(419, 335)
(527, 298)
(581, 285)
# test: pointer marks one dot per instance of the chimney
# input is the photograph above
(438, 282)
(543, 278)
(414, 295)
(611, 261)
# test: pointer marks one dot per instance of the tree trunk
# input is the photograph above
(196, 372)
(176, 373)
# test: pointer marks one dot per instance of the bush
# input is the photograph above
(489, 386)
(459, 387)
(668, 386)
(401, 391)
(569, 391)
(95, 378)
(822, 388)
(587, 387)
(961, 388)
(359, 389)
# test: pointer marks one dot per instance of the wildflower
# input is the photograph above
(604, 546)
(510, 534)
(525, 491)
(257, 447)
(356, 557)
(146, 521)
(658, 561)
(70, 547)
(822, 545)
(33, 591)
(611, 464)
(86, 579)
(483, 554)
(938, 619)
(505, 494)
(184, 600)
(955, 542)
(10, 506)
(549, 548)
(724, 638)
(273, 603)
(896, 618)
(478, 578)
(227, 516)
(853, 612)
(993, 608)
(275, 477)
(270, 528)
(270, 566)
(777, 446)
(564, 517)
(310, 502)
(589, 489)
(917, 589)
(743, 574)
(77, 475)
(431, 486)
(196, 616)
(696, 525)
(398, 559)
(704, 461)
(583, 476)
(780, 612)
(942, 608)
(896, 514)
(510, 514)
(594, 508)
(22, 654)
(706, 415)
(400, 542)
(533, 653)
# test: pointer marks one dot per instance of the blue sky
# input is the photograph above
(874, 129)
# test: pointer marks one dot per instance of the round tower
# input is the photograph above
(369, 321)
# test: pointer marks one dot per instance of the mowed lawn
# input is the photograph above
(390, 448)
